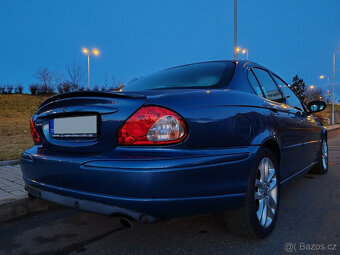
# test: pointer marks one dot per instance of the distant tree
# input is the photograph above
(9, 88)
(315, 94)
(34, 89)
(2, 89)
(45, 78)
(103, 88)
(299, 87)
(60, 88)
(42, 89)
(58, 79)
(64, 87)
(96, 88)
(76, 75)
(112, 84)
(20, 88)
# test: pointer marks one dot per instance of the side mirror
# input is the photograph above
(316, 106)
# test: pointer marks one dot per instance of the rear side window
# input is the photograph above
(254, 83)
(291, 98)
(268, 85)
(200, 75)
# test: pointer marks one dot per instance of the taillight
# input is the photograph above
(34, 133)
(152, 125)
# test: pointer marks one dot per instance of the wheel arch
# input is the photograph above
(275, 148)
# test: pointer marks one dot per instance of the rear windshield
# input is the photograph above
(201, 75)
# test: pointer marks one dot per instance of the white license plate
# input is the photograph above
(82, 126)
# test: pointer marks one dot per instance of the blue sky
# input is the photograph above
(138, 37)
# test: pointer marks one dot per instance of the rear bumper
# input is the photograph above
(149, 210)
(88, 205)
(145, 188)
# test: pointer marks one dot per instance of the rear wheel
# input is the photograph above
(322, 166)
(257, 217)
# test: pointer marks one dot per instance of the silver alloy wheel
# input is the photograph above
(324, 152)
(266, 192)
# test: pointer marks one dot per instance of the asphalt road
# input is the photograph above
(308, 223)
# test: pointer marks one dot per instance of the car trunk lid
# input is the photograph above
(109, 109)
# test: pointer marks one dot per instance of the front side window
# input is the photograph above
(268, 85)
(291, 98)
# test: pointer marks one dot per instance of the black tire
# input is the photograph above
(320, 167)
(244, 220)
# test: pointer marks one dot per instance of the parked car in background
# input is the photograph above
(218, 136)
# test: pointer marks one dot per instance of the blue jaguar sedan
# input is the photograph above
(210, 137)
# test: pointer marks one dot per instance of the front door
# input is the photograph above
(286, 122)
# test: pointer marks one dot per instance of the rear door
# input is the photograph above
(286, 123)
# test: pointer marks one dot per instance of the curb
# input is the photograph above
(9, 162)
(14, 208)
(336, 128)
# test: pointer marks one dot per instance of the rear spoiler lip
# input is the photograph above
(92, 94)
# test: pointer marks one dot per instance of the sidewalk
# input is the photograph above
(11, 183)
(14, 201)
(13, 197)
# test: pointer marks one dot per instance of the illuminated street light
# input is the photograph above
(242, 50)
(311, 86)
(323, 77)
(94, 52)
(85, 51)
(245, 51)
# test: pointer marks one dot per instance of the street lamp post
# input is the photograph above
(333, 93)
(323, 77)
(94, 52)
(235, 29)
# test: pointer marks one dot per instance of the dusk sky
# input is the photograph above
(139, 37)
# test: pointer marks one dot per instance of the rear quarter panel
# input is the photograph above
(221, 118)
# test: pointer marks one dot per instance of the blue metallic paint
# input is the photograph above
(207, 172)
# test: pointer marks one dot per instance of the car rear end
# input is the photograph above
(130, 154)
